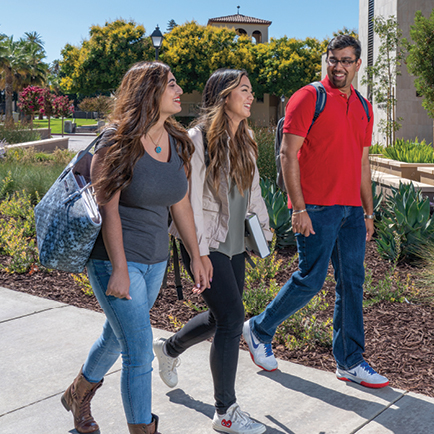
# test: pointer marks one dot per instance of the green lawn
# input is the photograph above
(56, 124)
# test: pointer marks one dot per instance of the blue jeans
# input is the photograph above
(340, 235)
(127, 331)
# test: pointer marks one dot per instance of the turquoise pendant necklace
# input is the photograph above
(157, 146)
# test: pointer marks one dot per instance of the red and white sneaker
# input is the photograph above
(363, 374)
(237, 422)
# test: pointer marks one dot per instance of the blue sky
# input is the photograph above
(62, 22)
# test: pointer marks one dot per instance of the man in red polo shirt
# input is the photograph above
(328, 179)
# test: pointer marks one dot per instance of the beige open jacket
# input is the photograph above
(211, 208)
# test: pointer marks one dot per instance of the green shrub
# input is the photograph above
(377, 199)
(17, 232)
(376, 149)
(256, 299)
(82, 280)
(304, 329)
(17, 133)
(390, 288)
(410, 151)
(424, 284)
(24, 169)
(278, 213)
(19, 206)
(265, 268)
(406, 225)
(266, 160)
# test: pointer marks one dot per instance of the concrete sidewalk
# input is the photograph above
(78, 141)
(43, 343)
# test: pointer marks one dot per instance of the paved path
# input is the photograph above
(43, 343)
(77, 141)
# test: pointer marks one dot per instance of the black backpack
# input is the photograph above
(321, 99)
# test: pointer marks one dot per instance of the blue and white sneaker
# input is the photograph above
(363, 374)
(261, 354)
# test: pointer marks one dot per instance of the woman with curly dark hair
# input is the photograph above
(224, 188)
(139, 171)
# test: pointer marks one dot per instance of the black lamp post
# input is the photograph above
(157, 40)
(282, 100)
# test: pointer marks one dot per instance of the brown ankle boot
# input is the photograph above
(77, 399)
(143, 428)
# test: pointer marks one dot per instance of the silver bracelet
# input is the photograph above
(369, 216)
(298, 212)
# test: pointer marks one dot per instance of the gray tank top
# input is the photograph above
(144, 207)
(234, 243)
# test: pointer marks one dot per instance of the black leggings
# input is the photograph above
(224, 320)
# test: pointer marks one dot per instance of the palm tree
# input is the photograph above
(53, 77)
(35, 38)
(14, 61)
(38, 70)
(21, 65)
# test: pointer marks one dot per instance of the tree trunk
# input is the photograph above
(8, 94)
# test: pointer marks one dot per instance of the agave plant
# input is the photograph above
(278, 212)
(377, 199)
(406, 224)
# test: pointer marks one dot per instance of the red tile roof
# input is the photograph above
(238, 19)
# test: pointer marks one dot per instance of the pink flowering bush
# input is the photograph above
(31, 100)
(48, 109)
(62, 107)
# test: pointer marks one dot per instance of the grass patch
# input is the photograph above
(56, 124)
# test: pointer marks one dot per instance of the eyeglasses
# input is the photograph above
(345, 62)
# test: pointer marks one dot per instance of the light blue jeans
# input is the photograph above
(127, 332)
(340, 235)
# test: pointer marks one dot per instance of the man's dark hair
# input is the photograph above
(344, 41)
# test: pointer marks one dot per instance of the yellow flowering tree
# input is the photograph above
(99, 64)
(285, 65)
(194, 52)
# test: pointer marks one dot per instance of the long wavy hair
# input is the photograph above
(136, 111)
(242, 148)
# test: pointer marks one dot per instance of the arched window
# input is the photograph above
(258, 36)
(241, 31)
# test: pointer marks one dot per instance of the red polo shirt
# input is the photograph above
(330, 158)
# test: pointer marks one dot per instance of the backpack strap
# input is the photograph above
(178, 282)
(277, 144)
(364, 104)
(321, 99)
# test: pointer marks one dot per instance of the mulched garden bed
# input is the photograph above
(399, 336)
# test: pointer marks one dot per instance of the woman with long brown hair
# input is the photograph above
(139, 170)
(224, 187)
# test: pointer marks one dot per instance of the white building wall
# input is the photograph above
(249, 28)
(416, 122)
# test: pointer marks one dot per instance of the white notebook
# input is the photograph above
(255, 238)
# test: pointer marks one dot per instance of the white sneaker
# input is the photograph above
(261, 354)
(237, 422)
(166, 365)
(363, 374)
